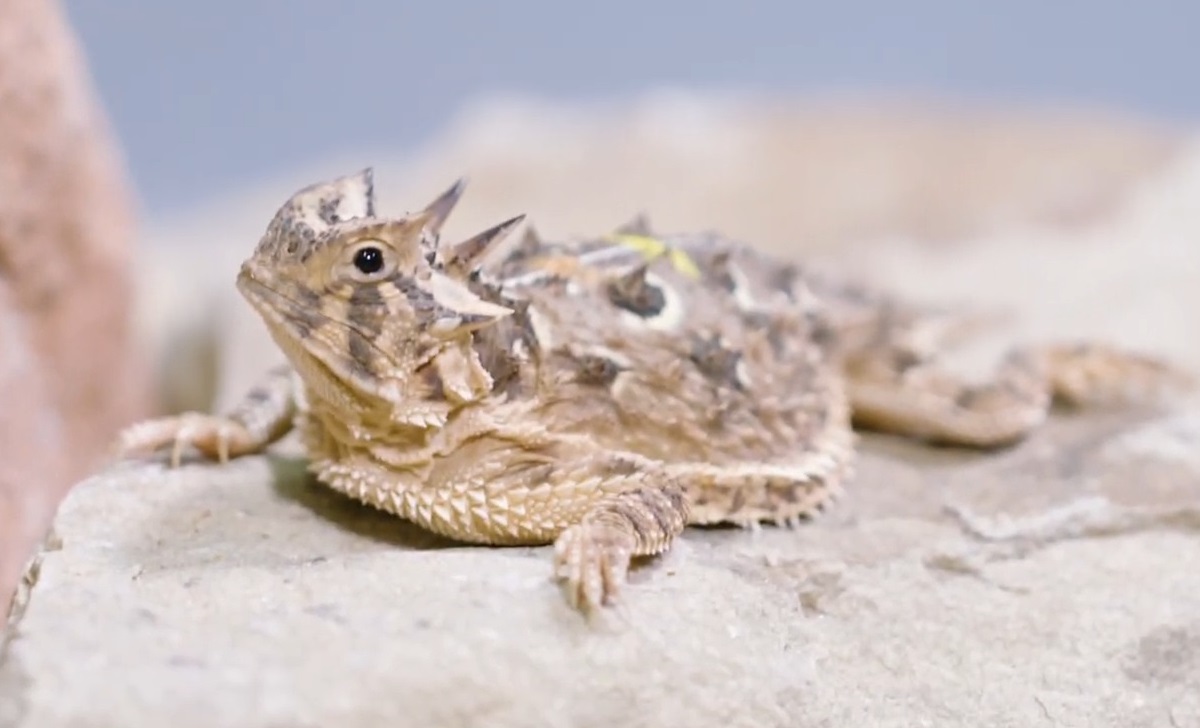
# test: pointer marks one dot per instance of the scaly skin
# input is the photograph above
(600, 396)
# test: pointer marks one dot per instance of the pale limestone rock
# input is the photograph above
(251, 596)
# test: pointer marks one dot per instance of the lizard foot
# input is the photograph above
(592, 560)
(592, 557)
(215, 437)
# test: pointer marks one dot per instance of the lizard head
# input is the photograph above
(366, 301)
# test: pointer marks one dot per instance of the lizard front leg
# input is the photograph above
(263, 416)
(592, 557)
(892, 389)
(600, 509)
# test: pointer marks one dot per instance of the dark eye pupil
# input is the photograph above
(368, 260)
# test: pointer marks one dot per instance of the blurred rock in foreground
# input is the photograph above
(70, 371)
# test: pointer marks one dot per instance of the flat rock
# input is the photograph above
(1055, 583)
(1064, 592)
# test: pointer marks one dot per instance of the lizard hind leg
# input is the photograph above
(592, 557)
(893, 391)
(1093, 374)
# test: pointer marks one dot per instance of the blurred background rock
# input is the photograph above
(798, 126)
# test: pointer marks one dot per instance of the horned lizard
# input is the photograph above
(599, 395)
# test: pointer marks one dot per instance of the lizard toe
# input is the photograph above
(592, 566)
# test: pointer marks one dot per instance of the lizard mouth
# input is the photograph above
(301, 316)
(298, 314)
(279, 308)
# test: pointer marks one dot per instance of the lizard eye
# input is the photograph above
(368, 260)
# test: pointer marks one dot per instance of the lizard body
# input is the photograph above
(600, 395)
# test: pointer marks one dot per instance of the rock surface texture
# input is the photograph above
(1055, 583)
(69, 372)
(251, 596)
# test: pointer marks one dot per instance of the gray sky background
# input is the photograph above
(210, 94)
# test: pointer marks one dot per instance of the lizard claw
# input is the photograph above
(592, 562)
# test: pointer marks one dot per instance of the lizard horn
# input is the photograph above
(639, 225)
(462, 258)
(530, 241)
(436, 213)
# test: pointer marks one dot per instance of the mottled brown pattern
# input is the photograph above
(631, 292)
(716, 360)
(596, 370)
(591, 395)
